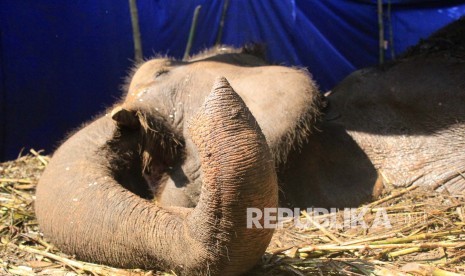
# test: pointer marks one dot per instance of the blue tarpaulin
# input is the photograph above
(62, 62)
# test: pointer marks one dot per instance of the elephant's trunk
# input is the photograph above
(86, 212)
(238, 172)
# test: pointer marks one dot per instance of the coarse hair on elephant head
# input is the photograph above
(84, 209)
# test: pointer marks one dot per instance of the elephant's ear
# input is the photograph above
(159, 144)
(125, 118)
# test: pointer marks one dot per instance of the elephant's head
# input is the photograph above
(83, 207)
(163, 94)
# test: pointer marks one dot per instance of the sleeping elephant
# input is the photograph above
(395, 125)
(119, 190)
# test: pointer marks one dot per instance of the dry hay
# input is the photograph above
(426, 236)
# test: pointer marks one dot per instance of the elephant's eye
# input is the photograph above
(160, 72)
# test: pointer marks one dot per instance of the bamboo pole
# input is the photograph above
(221, 27)
(391, 33)
(135, 31)
(190, 40)
(381, 31)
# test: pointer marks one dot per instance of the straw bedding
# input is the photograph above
(422, 233)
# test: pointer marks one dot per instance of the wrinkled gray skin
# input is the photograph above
(391, 126)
